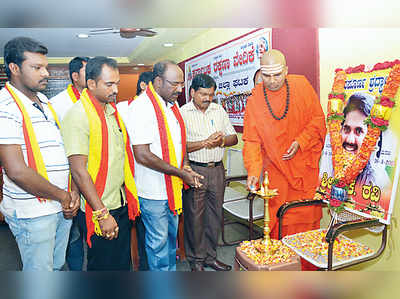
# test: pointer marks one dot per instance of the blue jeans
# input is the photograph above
(160, 237)
(42, 241)
(75, 247)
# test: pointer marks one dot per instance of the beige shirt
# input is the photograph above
(200, 126)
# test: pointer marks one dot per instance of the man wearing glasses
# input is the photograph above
(158, 139)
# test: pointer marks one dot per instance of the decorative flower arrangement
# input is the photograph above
(347, 166)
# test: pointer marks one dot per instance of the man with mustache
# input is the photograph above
(209, 131)
(33, 159)
(98, 152)
(354, 130)
(158, 138)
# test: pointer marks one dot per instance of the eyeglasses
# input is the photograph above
(175, 84)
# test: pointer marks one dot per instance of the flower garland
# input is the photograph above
(347, 166)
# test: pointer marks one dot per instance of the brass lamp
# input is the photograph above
(265, 245)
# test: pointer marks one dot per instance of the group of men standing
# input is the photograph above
(80, 156)
(120, 165)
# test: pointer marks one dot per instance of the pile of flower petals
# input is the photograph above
(313, 245)
(282, 255)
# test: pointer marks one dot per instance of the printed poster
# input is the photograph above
(232, 66)
(373, 192)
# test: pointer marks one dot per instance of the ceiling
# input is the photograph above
(63, 42)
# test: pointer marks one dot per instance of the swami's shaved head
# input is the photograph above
(273, 68)
(273, 56)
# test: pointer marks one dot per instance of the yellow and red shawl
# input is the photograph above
(73, 93)
(173, 184)
(98, 158)
(35, 158)
(130, 100)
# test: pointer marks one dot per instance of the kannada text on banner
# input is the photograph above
(232, 66)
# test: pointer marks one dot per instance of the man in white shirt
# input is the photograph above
(208, 132)
(65, 99)
(143, 81)
(61, 104)
(36, 209)
(157, 135)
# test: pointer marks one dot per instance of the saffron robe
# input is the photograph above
(266, 140)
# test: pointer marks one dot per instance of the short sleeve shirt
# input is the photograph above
(142, 127)
(61, 103)
(75, 132)
(16, 201)
(200, 125)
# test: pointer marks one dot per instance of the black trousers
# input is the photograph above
(140, 235)
(202, 210)
(110, 255)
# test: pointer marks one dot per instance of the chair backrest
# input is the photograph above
(234, 162)
(346, 216)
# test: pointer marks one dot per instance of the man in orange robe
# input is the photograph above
(284, 131)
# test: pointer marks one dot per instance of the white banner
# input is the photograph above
(232, 66)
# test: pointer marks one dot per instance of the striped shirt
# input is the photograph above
(17, 202)
(199, 126)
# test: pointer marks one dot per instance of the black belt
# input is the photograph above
(209, 164)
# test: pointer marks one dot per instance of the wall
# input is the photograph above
(58, 68)
(294, 42)
(128, 80)
(209, 39)
(351, 47)
(127, 86)
(300, 46)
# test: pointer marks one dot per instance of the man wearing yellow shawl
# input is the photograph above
(61, 103)
(139, 256)
(101, 162)
(33, 159)
(158, 139)
(143, 81)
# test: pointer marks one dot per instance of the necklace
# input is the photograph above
(287, 103)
